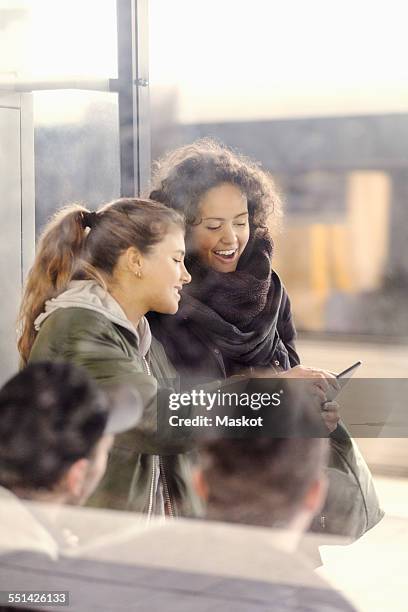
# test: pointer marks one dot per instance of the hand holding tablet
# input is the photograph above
(342, 379)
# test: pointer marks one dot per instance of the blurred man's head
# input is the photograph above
(266, 481)
(54, 433)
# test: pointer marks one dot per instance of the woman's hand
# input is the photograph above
(321, 384)
(324, 384)
(330, 415)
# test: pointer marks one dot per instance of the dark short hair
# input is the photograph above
(262, 480)
(51, 415)
(183, 176)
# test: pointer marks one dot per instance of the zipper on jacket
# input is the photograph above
(167, 498)
(151, 492)
(153, 477)
(162, 474)
(148, 370)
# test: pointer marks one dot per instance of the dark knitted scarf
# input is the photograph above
(238, 310)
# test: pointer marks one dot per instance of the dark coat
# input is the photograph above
(196, 356)
(352, 505)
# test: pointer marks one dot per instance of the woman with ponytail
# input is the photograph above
(95, 276)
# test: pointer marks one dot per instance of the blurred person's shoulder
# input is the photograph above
(20, 530)
(242, 566)
(179, 564)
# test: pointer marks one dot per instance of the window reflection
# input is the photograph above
(327, 124)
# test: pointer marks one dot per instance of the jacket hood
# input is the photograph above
(90, 295)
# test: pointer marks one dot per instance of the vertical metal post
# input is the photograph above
(143, 97)
(133, 96)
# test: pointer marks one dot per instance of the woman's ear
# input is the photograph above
(75, 478)
(134, 260)
(315, 496)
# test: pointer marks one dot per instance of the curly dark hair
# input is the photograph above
(183, 176)
(51, 415)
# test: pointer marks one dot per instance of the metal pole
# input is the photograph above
(133, 101)
(67, 83)
(143, 97)
(126, 97)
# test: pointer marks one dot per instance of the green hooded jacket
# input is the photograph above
(146, 471)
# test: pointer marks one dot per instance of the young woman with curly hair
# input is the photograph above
(235, 315)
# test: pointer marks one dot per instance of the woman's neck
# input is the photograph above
(132, 308)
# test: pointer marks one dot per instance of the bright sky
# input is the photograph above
(62, 37)
(227, 59)
(263, 58)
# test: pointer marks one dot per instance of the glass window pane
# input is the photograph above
(317, 92)
(76, 130)
(69, 37)
(235, 60)
(76, 141)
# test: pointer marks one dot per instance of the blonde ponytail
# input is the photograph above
(59, 249)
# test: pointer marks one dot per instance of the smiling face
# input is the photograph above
(223, 232)
(164, 273)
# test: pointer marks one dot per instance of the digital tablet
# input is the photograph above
(342, 379)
